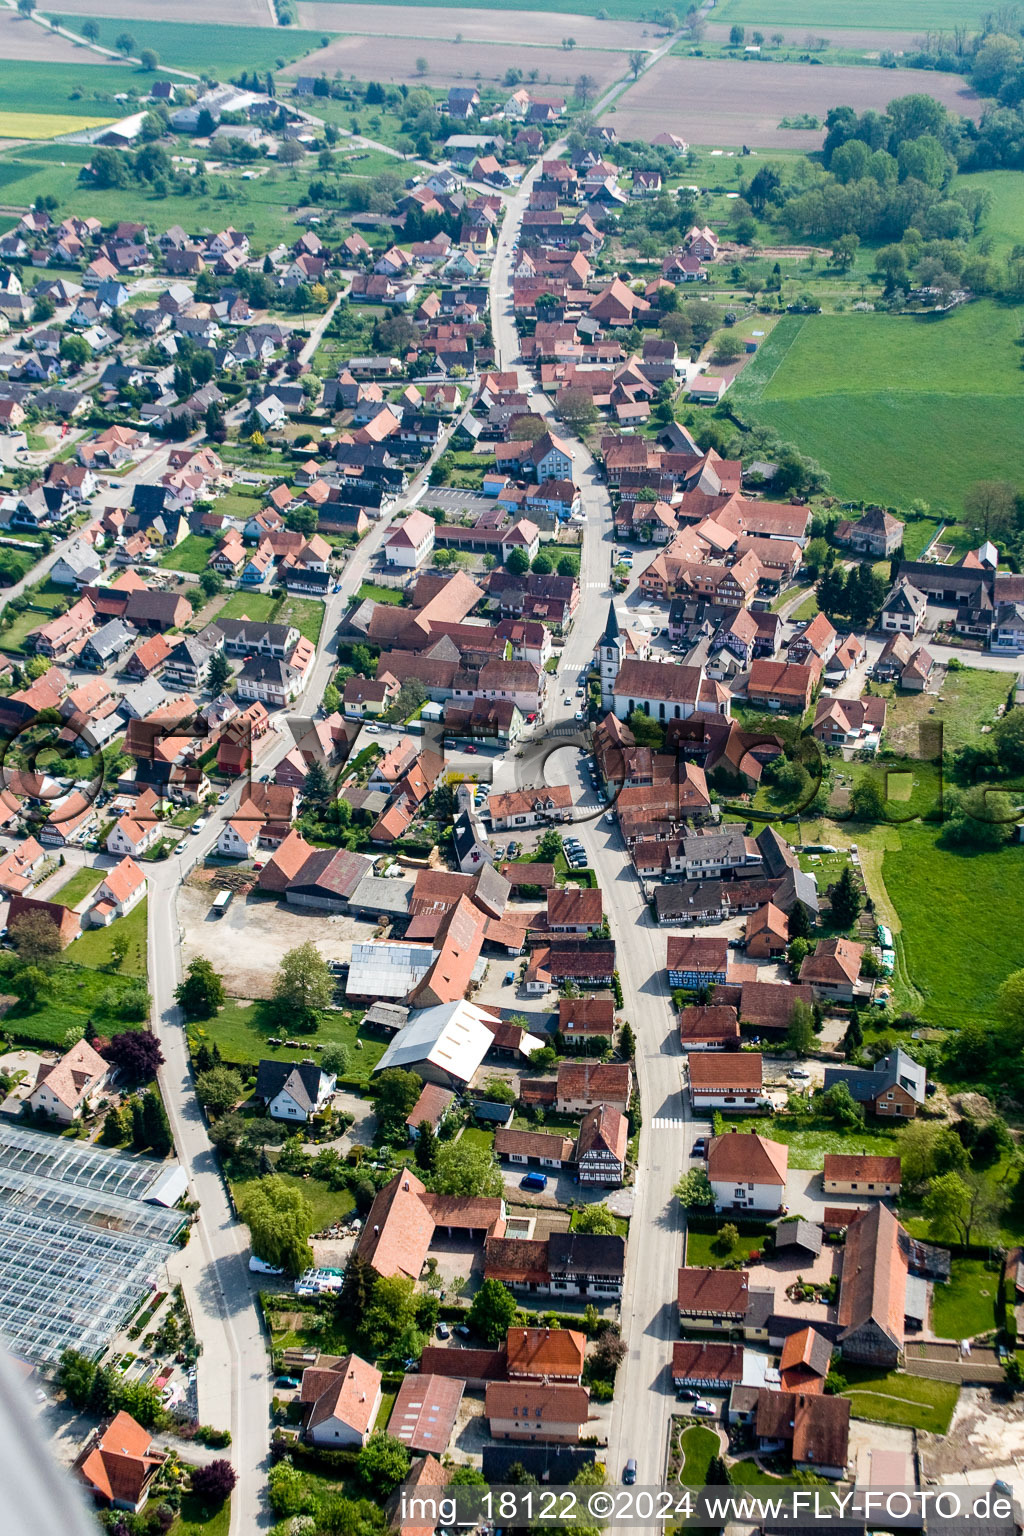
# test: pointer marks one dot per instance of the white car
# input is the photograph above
(704, 1408)
(609, 817)
(800, 1073)
(373, 730)
(197, 826)
(261, 1267)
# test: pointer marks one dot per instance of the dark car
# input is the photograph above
(629, 1473)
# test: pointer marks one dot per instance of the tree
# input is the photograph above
(157, 1126)
(303, 987)
(840, 1105)
(728, 347)
(493, 1312)
(425, 1148)
(737, 37)
(219, 1089)
(286, 1490)
(397, 1092)
(36, 938)
(927, 1150)
(464, 1169)
(75, 350)
(331, 701)
(26, 7)
(990, 504)
(214, 1482)
(846, 900)
(958, 1205)
(637, 60)
(694, 1189)
(382, 1463)
(218, 673)
(726, 1238)
(149, 59)
(627, 1042)
(280, 1220)
(124, 43)
(595, 1218)
(577, 409)
(90, 30)
(853, 1039)
(318, 791)
(799, 922)
(390, 1315)
(868, 801)
(518, 561)
(584, 89)
(76, 1376)
(31, 984)
(201, 992)
(210, 584)
(136, 1054)
(334, 1058)
(800, 1035)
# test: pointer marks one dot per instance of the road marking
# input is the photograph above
(666, 1122)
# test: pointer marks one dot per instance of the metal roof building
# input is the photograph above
(80, 1247)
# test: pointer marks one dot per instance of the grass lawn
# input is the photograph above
(891, 1397)
(748, 1472)
(369, 589)
(961, 918)
(241, 1030)
(698, 1444)
(196, 1520)
(249, 605)
(476, 1136)
(337, 1337)
(306, 613)
(191, 554)
(809, 1140)
(704, 1252)
(955, 378)
(966, 1306)
(76, 995)
(387, 1402)
(969, 700)
(78, 887)
(94, 948)
(329, 1205)
(1004, 222)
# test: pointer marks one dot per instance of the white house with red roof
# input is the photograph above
(121, 889)
(411, 542)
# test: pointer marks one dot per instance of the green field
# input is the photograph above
(78, 887)
(94, 947)
(703, 1252)
(75, 996)
(809, 1141)
(925, 15)
(820, 382)
(967, 1305)
(894, 1398)
(69, 90)
(1004, 222)
(306, 613)
(962, 917)
(248, 605)
(204, 47)
(241, 1031)
(196, 1520)
(192, 554)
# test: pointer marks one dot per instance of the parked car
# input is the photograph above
(197, 826)
(224, 795)
(463, 1331)
(373, 730)
(290, 1383)
(472, 749)
(261, 1267)
(510, 977)
(609, 816)
(535, 1181)
(800, 1073)
(443, 1331)
(700, 1147)
(704, 1408)
(686, 1395)
(182, 846)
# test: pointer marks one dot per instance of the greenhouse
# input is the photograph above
(79, 1247)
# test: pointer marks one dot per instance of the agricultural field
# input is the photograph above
(844, 42)
(721, 101)
(364, 58)
(220, 49)
(232, 13)
(495, 24)
(312, 15)
(923, 15)
(67, 90)
(21, 39)
(954, 379)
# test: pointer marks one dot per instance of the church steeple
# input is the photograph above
(611, 628)
(611, 650)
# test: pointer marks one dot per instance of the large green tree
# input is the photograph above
(493, 1311)
(461, 1168)
(201, 992)
(303, 988)
(280, 1220)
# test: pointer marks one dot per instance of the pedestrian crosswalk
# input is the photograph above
(666, 1122)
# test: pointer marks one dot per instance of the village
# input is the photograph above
(430, 769)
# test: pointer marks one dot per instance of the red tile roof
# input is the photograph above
(545, 1352)
(749, 1157)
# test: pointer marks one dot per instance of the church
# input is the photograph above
(665, 690)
